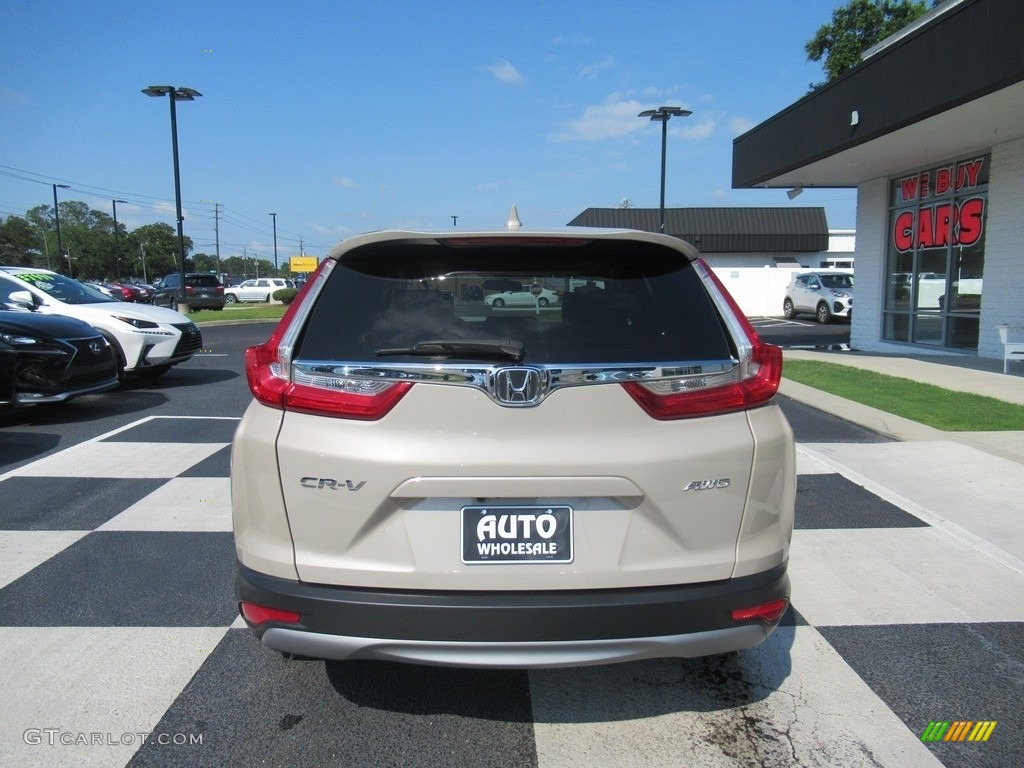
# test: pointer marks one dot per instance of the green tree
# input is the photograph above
(159, 244)
(857, 26)
(86, 239)
(204, 262)
(20, 243)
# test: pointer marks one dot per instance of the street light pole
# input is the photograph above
(56, 219)
(663, 115)
(274, 217)
(117, 249)
(176, 94)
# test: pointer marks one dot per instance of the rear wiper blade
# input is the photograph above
(486, 348)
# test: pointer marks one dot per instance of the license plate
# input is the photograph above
(516, 534)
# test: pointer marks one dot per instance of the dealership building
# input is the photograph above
(929, 128)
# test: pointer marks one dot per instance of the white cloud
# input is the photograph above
(740, 125)
(611, 120)
(506, 73)
(590, 71)
(701, 128)
(575, 39)
(345, 182)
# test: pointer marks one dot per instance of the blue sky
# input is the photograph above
(348, 116)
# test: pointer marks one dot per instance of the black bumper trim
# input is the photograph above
(550, 616)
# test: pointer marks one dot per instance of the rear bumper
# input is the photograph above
(506, 629)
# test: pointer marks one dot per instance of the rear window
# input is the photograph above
(601, 302)
(202, 281)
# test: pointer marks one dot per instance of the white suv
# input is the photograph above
(825, 294)
(147, 340)
(259, 289)
(424, 478)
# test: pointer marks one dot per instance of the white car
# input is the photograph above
(826, 294)
(147, 340)
(259, 289)
(419, 481)
(526, 296)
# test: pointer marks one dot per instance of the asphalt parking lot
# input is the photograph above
(116, 565)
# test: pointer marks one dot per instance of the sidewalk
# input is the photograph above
(966, 483)
(980, 376)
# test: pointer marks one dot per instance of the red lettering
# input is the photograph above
(967, 173)
(943, 225)
(925, 177)
(970, 221)
(925, 232)
(903, 231)
(939, 226)
(908, 188)
(943, 177)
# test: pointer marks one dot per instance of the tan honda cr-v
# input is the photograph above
(426, 476)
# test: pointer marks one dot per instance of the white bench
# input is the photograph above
(1013, 344)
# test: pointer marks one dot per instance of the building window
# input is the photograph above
(936, 255)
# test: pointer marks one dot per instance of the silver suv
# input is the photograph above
(826, 294)
(426, 477)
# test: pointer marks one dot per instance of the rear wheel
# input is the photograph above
(788, 310)
(824, 316)
(499, 303)
(542, 302)
(229, 298)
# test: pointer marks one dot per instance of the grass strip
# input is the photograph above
(924, 403)
(263, 312)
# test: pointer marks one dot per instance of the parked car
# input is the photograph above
(526, 296)
(416, 482)
(258, 289)
(8, 374)
(54, 358)
(147, 340)
(202, 291)
(826, 294)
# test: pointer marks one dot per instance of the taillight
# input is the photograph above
(218, 291)
(260, 614)
(769, 612)
(270, 379)
(189, 290)
(756, 382)
(684, 399)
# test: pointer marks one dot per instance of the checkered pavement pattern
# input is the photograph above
(122, 644)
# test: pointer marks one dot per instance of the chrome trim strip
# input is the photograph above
(675, 376)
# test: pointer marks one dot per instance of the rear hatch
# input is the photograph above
(601, 441)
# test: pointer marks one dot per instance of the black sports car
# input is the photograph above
(47, 358)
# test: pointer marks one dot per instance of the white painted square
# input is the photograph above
(113, 459)
(898, 576)
(775, 704)
(21, 551)
(806, 464)
(79, 681)
(181, 504)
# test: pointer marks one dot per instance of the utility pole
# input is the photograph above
(216, 231)
(274, 217)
